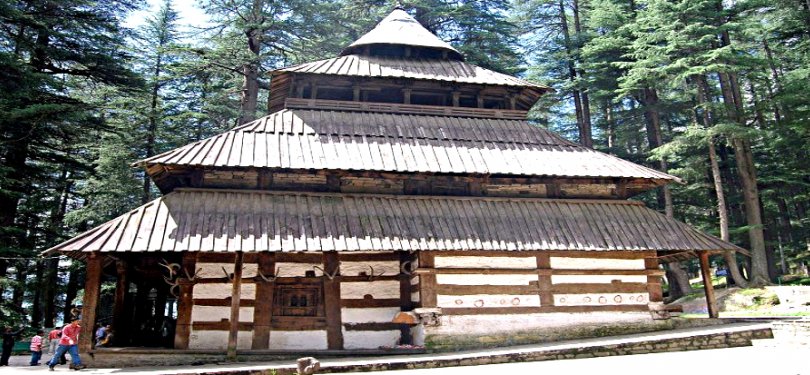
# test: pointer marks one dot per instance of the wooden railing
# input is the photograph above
(340, 105)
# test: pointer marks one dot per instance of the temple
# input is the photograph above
(396, 195)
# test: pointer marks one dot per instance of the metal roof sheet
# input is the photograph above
(254, 221)
(401, 29)
(320, 140)
(412, 68)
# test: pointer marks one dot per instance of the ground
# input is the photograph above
(737, 302)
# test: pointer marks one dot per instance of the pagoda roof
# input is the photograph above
(399, 28)
(412, 68)
(257, 221)
(389, 142)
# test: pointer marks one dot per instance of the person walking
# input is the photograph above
(53, 342)
(8, 344)
(69, 342)
(36, 348)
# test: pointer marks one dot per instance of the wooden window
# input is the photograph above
(298, 300)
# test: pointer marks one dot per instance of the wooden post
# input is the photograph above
(427, 281)
(236, 294)
(653, 282)
(120, 320)
(405, 303)
(331, 293)
(705, 271)
(92, 289)
(263, 309)
(544, 279)
(185, 302)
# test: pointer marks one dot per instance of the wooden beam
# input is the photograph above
(544, 280)
(185, 302)
(706, 272)
(331, 291)
(427, 280)
(263, 306)
(236, 295)
(653, 281)
(405, 303)
(120, 321)
(92, 289)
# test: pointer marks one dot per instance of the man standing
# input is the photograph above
(69, 342)
(8, 344)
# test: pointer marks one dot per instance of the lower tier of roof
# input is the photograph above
(256, 221)
(384, 142)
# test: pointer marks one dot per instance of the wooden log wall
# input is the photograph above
(395, 183)
(362, 292)
(470, 283)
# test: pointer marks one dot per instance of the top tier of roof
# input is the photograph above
(399, 28)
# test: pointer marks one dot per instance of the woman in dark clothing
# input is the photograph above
(8, 344)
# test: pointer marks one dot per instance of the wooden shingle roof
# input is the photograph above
(385, 142)
(410, 68)
(399, 28)
(252, 221)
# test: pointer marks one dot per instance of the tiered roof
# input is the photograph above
(254, 221)
(387, 142)
(389, 137)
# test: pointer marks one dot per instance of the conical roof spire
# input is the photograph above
(400, 29)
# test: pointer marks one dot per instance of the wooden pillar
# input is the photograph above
(120, 323)
(263, 309)
(705, 271)
(92, 289)
(427, 281)
(331, 293)
(236, 299)
(653, 281)
(356, 92)
(405, 287)
(406, 96)
(185, 302)
(456, 98)
(544, 279)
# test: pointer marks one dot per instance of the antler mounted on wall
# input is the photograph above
(407, 267)
(228, 276)
(371, 275)
(194, 277)
(173, 268)
(328, 275)
(270, 278)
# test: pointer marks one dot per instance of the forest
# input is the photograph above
(714, 92)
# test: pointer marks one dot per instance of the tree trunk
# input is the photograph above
(678, 280)
(746, 170)
(611, 131)
(36, 299)
(51, 282)
(18, 293)
(756, 235)
(71, 291)
(722, 213)
(50, 292)
(250, 86)
(584, 132)
(152, 127)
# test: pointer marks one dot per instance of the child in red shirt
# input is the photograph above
(36, 348)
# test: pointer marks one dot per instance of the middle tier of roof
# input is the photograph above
(363, 141)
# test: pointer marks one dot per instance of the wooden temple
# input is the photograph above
(395, 195)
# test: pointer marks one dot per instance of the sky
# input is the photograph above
(190, 15)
